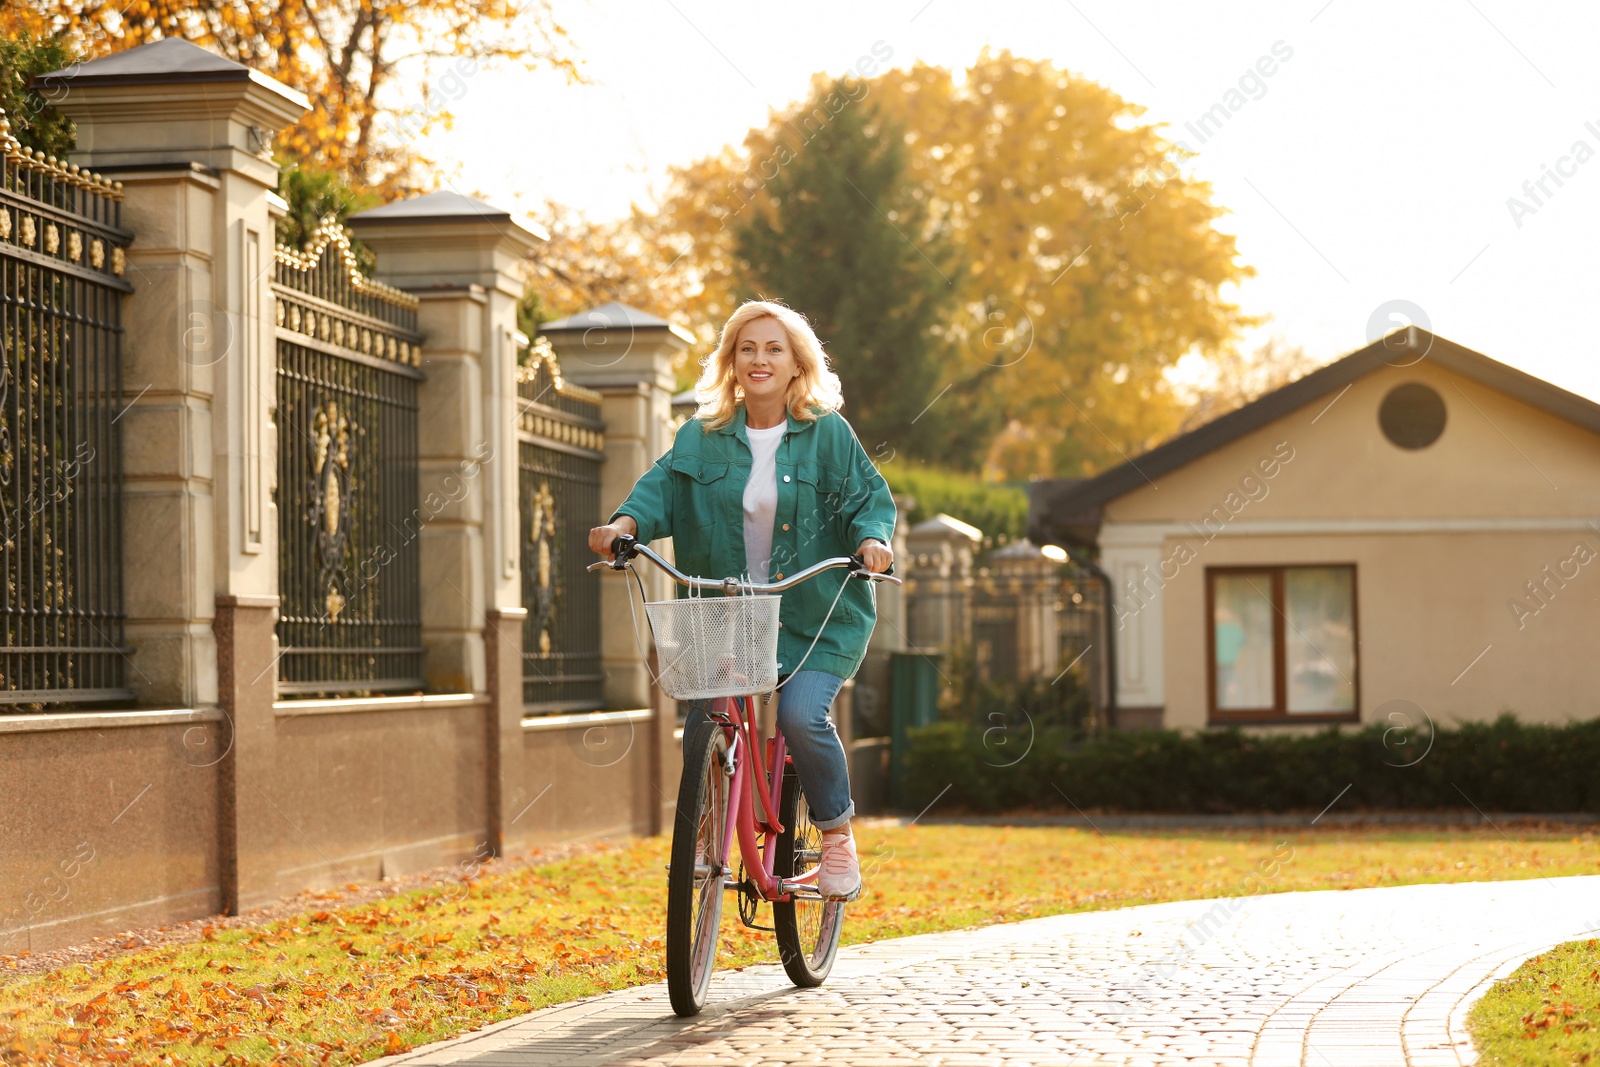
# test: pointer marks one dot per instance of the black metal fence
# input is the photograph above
(348, 518)
(61, 287)
(1018, 621)
(560, 446)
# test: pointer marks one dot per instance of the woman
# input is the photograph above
(767, 479)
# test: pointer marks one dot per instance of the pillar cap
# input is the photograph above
(169, 102)
(616, 316)
(448, 206)
(946, 527)
(1020, 549)
(169, 61)
(445, 238)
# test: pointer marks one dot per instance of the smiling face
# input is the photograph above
(763, 361)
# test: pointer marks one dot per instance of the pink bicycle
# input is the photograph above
(724, 649)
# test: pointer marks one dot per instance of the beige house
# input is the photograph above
(1410, 532)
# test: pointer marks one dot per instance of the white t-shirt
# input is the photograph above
(761, 499)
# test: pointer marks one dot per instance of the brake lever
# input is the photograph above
(623, 548)
(858, 569)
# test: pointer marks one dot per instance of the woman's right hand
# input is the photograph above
(601, 537)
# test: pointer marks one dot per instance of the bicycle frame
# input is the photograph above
(755, 782)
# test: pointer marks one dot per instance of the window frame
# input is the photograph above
(1279, 713)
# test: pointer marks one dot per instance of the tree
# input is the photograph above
(587, 263)
(1093, 261)
(359, 62)
(833, 239)
(1235, 379)
(316, 193)
(32, 120)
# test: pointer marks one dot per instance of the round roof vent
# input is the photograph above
(1412, 415)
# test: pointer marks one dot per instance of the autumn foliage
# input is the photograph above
(360, 62)
(1545, 1012)
(1091, 261)
(344, 983)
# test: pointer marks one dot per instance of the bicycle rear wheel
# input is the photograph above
(694, 882)
(808, 930)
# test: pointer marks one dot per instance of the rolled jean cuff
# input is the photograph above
(835, 823)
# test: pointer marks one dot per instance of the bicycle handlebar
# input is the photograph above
(625, 547)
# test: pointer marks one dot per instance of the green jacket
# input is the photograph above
(830, 498)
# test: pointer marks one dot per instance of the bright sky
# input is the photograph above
(1374, 165)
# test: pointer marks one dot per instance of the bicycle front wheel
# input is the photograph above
(808, 930)
(694, 881)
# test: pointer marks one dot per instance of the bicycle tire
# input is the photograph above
(808, 930)
(694, 895)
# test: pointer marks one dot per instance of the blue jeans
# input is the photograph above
(812, 741)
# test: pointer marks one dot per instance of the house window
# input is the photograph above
(1282, 643)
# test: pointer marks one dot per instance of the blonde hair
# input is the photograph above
(813, 392)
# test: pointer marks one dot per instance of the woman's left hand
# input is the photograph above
(876, 555)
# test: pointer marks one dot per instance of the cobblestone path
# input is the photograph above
(1360, 978)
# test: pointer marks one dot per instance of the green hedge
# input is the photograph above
(1000, 511)
(1503, 766)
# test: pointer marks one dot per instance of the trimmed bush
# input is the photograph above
(1503, 766)
(999, 510)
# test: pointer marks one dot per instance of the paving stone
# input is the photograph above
(1367, 977)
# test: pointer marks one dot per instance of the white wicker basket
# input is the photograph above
(716, 646)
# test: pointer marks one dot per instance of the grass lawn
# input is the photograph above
(348, 983)
(1545, 1012)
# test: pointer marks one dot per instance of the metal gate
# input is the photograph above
(560, 445)
(1018, 618)
(348, 519)
(61, 287)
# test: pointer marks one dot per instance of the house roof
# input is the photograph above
(1070, 508)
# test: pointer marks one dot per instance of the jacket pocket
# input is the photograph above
(825, 518)
(813, 518)
(704, 471)
(697, 490)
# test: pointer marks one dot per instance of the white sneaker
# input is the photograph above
(839, 874)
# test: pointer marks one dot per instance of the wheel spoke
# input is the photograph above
(807, 926)
(809, 913)
(694, 893)
(708, 885)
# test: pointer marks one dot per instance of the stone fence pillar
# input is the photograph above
(188, 133)
(462, 258)
(890, 633)
(1027, 577)
(626, 356)
(940, 554)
